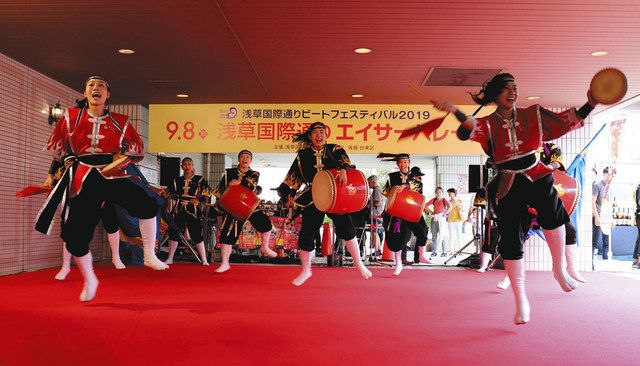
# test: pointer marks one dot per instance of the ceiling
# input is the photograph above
(301, 51)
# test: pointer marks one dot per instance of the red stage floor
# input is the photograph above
(188, 315)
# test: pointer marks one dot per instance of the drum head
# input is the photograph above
(323, 190)
(608, 86)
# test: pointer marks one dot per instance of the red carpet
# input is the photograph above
(188, 315)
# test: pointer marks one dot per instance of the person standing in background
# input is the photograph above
(377, 208)
(636, 250)
(454, 220)
(441, 208)
(601, 211)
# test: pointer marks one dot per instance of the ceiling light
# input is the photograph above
(357, 95)
(182, 95)
(533, 97)
(599, 53)
(362, 50)
(126, 51)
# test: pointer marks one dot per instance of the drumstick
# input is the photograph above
(419, 92)
(427, 128)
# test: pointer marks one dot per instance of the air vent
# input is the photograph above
(454, 76)
(166, 84)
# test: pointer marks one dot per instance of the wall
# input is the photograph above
(24, 94)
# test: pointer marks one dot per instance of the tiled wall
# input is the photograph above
(24, 94)
(536, 252)
(215, 165)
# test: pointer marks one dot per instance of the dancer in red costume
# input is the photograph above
(511, 136)
(86, 140)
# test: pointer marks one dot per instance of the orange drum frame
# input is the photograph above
(568, 190)
(236, 200)
(330, 197)
(410, 204)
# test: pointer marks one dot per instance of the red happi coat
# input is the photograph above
(507, 140)
(79, 134)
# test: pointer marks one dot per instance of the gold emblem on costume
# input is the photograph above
(410, 201)
(351, 190)
(243, 196)
(318, 155)
(560, 190)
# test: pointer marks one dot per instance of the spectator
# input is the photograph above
(441, 208)
(377, 207)
(454, 220)
(636, 255)
(601, 219)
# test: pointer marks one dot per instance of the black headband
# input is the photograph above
(96, 77)
(393, 157)
(245, 152)
(305, 137)
(315, 125)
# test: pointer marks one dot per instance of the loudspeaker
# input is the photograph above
(169, 169)
(478, 177)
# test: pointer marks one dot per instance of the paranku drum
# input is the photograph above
(405, 204)
(239, 201)
(117, 166)
(608, 86)
(568, 190)
(330, 197)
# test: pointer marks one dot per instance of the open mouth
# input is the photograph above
(96, 95)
